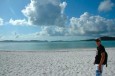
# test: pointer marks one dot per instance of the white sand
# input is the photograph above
(74, 62)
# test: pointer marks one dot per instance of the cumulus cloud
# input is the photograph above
(85, 25)
(63, 6)
(91, 25)
(53, 31)
(1, 21)
(19, 22)
(45, 12)
(106, 5)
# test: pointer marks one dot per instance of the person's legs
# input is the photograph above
(98, 73)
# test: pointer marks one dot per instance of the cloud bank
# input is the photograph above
(105, 6)
(45, 12)
(85, 25)
(53, 31)
(91, 25)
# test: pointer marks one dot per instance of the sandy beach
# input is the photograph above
(68, 62)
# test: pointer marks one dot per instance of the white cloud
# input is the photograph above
(86, 25)
(19, 22)
(45, 12)
(53, 31)
(91, 25)
(106, 5)
(63, 6)
(1, 21)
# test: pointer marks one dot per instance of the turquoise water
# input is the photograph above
(50, 46)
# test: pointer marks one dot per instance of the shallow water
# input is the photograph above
(49, 46)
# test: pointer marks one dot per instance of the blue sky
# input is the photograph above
(56, 20)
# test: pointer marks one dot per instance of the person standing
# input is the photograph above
(100, 58)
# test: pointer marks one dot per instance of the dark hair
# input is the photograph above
(98, 40)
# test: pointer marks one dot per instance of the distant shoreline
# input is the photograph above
(104, 38)
(56, 41)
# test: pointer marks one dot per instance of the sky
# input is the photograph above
(56, 19)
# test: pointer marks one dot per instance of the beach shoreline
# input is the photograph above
(65, 62)
(59, 50)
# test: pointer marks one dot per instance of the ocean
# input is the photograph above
(51, 46)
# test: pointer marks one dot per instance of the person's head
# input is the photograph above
(98, 42)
